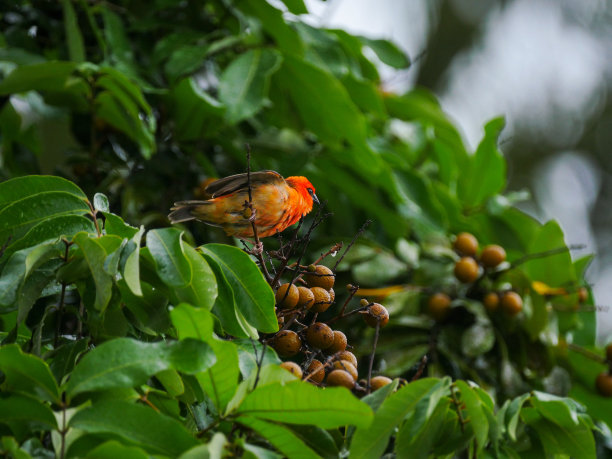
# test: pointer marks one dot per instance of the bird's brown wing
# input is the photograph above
(237, 182)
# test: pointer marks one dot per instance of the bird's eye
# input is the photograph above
(310, 191)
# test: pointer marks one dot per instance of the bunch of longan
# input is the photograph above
(471, 267)
(325, 361)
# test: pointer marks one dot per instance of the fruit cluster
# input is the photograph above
(323, 353)
(470, 269)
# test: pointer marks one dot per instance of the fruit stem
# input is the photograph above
(372, 354)
(348, 247)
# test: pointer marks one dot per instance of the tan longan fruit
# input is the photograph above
(317, 371)
(287, 300)
(319, 276)
(346, 366)
(319, 335)
(603, 383)
(491, 301)
(512, 303)
(340, 378)
(492, 256)
(583, 294)
(379, 381)
(466, 244)
(306, 298)
(347, 355)
(287, 343)
(466, 270)
(375, 314)
(332, 295)
(322, 300)
(339, 343)
(438, 305)
(292, 368)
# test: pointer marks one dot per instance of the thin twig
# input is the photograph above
(5, 245)
(348, 247)
(334, 249)
(352, 290)
(547, 253)
(372, 354)
(585, 352)
(259, 361)
(283, 265)
(421, 368)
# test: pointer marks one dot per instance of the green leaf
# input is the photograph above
(477, 339)
(301, 403)
(150, 311)
(51, 76)
(560, 410)
(27, 374)
(52, 228)
(26, 410)
(312, 88)
(556, 439)
(115, 225)
(100, 202)
(112, 449)
(95, 256)
(283, 439)
(202, 290)
(372, 441)
(243, 86)
(253, 296)
(365, 95)
(21, 264)
(76, 49)
(17, 218)
(512, 415)
(65, 357)
(296, 6)
(486, 175)
(474, 412)
(166, 247)
(21, 187)
(136, 424)
(213, 450)
(196, 114)
(388, 52)
(131, 266)
(125, 362)
(11, 448)
(249, 354)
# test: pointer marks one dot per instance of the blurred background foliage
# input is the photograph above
(146, 101)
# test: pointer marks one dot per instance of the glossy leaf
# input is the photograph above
(253, 296)
(474, 411)
(76, 48)
(202, 290)
(95, 256)
(136, 424)
(125, 362)
(243, 86)
(112, 449)
(18, 188)
(131, 265)
(25, 410)
(43, 76)
(27, 374)
(388, 52)
(166, 247)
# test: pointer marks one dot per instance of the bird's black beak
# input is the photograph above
(315, 199)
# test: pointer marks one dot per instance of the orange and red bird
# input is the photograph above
(278, 204)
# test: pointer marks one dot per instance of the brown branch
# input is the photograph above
(588, 354)
(421, 368)
(372, 354)
(352, 290)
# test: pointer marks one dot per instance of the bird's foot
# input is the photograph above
(257, 248)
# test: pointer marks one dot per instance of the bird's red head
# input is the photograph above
(305, 188)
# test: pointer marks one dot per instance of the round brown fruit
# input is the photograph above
(379, 381)
(583, 294)
(306, 298)
(292, 368)
(319, 335)
(346, 366)
(466, 244)
(287, 300)
(319, 276)
(332, 295)
(438, 305)
(609, 352)
(347, 355)
(491, 301)
(316, 370)
(339, 343)
(376, 314)
(340, 378)
(322, 300)
(466, 270)
(512, 303)
(603, 383)
(492, 256)
(287, 343)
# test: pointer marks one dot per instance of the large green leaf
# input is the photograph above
(26, 410)
(243, 86)
(283, 439)
(302, 403)
(95, 256)
(27, 374)
(125, 362)
(131, 263)
(388, 52)
(21, 187)
(51, 76)
(253, 296)
(371, 441)
(202, 290)
(136, 424)
(112, 449)
(76, 49)
(19, 216)
(474, 411)
(166, 248)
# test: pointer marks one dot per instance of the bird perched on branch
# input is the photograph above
(277, 204)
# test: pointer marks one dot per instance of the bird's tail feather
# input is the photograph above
(183, 211)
